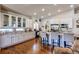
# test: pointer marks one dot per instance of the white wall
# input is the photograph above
(65, 17)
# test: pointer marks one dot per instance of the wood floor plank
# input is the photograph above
(25, 48)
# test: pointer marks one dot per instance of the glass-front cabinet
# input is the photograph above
(19, 21)
(14, 21)
(6, 20)
(24, 22)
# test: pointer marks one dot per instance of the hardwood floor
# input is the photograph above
(29, 47)
(33, 46)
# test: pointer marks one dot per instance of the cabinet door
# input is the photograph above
(6, 20)
(13, 21)
(20, 37)
(6, 40)
(24, 22)
(14, 39)
(17, 38)
(19, 22)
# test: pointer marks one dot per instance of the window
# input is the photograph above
(19, 22)
(6, 20)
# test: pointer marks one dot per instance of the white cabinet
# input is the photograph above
(5, 40)
(6, 20)
(10, 20)
(10, 39)
(13, 39)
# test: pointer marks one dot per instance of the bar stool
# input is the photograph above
(44, 40)
(59, 38)
(67, 45)
(68, 39)
(54, 39)
(54, 43)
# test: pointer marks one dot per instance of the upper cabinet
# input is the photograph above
(13, 21)
(6, 20)
(19, 21)
(24, 22)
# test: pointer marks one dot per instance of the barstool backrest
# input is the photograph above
(54, 36)
(43, 34)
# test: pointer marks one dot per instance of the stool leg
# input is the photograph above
(42, 43)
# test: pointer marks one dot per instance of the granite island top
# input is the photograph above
(18, 32)
(61, 32)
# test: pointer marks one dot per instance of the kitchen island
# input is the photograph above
(59, 39)
(12, 38)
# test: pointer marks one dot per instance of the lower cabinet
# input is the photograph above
(5, 41)
(15, 38)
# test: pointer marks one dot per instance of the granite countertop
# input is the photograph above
(4, 33)
(66, 32)
(69, 33)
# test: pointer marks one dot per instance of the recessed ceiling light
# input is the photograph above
(43, 9)
(34, 13)
(58, 10)
(42, 16)
(71, 6)
(49, 14)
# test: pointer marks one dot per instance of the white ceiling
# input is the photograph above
(30, 9)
